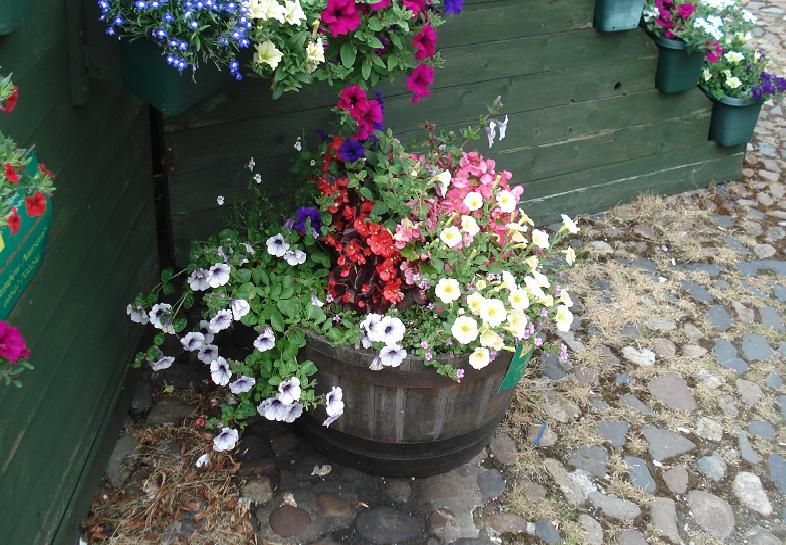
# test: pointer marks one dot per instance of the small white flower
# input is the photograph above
(451, 236)
(493, 312)
(506, 201)
(491, 132)
(473, 201)
(277, 246)
(392, 355)
(208, 354)
(448, 290)
(315, 300)
(298, 145)
(156, 313)
(491, 339)
(564, 298)
(749, 17)
(240, 308)
(475, 302)
(569, 224)
(203, 461)
(193, 341)
(570, 256)
(251, 164)
(226, 440)
(442, 181)
(221, 321)
(734, 57)
(390, 330)
(517, 323)
(199, 280)
(733, 82)
(220, 372)
(464, 329)
(480, 358)
(268, 53)
(218, 275)
(164, 362)
(563, 318)
(540, 239)
(266, 340)
(297, 257)
(257, 178)
(508, 281)
(220, 200)
(503, 128)
(242, 385)
(541, 279)
(289, 391)
(518, 299)
(469, 225)
(315, 53)
(266, 9)
(137, 314)
(293, 13)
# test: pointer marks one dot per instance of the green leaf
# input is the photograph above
(379, 208)
(366, 192)
(277, 321)
(290, 307)
(348, 55)
(366, 69)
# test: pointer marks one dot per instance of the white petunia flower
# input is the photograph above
(315, 300)
(563, 318)
(242, 385)
(503, 128)
(268, 53)
(442, 181)
(192, 341)
(297, 257)
(221, 321)
(491, 339)
(469, 225)
(464, 329)
(493, 312)
(517, 323)
(480, 358)
(156, 313)
(392, 355)
(274, 409)
(508, 281)
(218, 275)
(240, 308)
(448, 290)
(277, 246)
(565, 299)
(315, 53)
(570, 256)
(266, 340)
(506, 201)
(220, 200)
(334, 406)
(208, 354)
(733, 82)
(451, 236)
(293, 12)
(541, 279)
(518, 299)
(390, 330)
(199, 280)
(137, 314)
(475, 302)
(734, 57)
(257, 178)
(226, 440)
(164, 362)
(569, 225)
(289, 391)
(370, 325)
(473, 201)
(266, 9)
(204, 329)
(203, 461)
(705, 74)
(532, 262)
(220, 372)
(540, 239)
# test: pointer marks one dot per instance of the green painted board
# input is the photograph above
(517, 367)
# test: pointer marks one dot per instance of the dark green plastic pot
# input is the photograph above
(146, 74)
(678, 70)
(12, 12)
(616, 15)
(733, 120)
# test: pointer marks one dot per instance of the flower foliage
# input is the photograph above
(13, 354)
(292, 42)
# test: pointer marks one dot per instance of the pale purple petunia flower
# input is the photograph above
(315, 300)
(389, 330)
(221, 321)
(266, 340)
(277, 246)
(289, 391)
(163, 362)
(220, 372)
(158, 312)
(240, 308)
(204, 329)
(273, 409)
(297, 257)
(392, 355)
(491, 132)
(208, 353)
(226, 440)
(218, 275)
(242, 385)
(193, 341)
(137, 314)
(199, 280)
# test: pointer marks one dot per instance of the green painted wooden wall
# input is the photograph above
(101, 249)
(587, 127)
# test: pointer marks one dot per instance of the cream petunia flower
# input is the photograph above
(540, 238)
(293, 13)
(508, 281)
(464, 329)
(266, 9)
(569, 224)
(473, 201)
(480, 358)
(517, 323)
(315, 52)
(506, 201)
(563, 318)
(565, 299)
(451, 236)
(268, 53)
(518, 299)
(448, 290)
(493, 312)
(532, 262)
(469, 225)
(492, 339)
(475, 302)
(570, 256)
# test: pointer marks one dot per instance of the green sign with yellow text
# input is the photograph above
(517, 367)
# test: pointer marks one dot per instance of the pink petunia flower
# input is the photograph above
(425, 42)
(12, 345)
(419, 80)
(341, 17)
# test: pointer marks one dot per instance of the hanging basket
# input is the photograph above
(616, 15)
(12, 12)
(146, 74)
(21, 254)
(678, 70)
(733, 120)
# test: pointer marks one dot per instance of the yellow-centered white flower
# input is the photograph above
(293, 13)
(540, 239)
(570, 256)
(493, 312)
(475, 302)
(541, 279)
(734, 56)
(481, 284)
(508, 281)
(266, 9)
(518, 299)
(268, 53)
(506, 201)
(532, 262)
(492, 339)
(473, 201)
(451, 237)
(564, 298)
(569, 224)
(448, 290)
(563, 318)
(733, 82)
(480, 358)
(315, 52)
(517, 323)
(464, 329)
(469, 225)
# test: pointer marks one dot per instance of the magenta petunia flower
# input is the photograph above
(425, 42)
(685, 10)
(419, 80)
(12, 345)
(416, 6)
(382, 4)
(341, 17)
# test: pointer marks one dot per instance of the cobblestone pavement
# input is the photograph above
(666, 427)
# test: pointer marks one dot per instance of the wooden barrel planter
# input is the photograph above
(408, 421)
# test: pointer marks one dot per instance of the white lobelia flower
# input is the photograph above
(289, 391)
(390, 330)
(493, 312)
(506, 201)
(473, 201)
(156, 313)
(204, 329)
(315, 52)
(193, 341)
(164, 362)
(137, 314)
(277, 246)
(475, 302)
(203, 461)
(220, 200)
(226, 440)
(451, 236)
(518, 299)
(392, 355)
(220, 372)
(199, 280)
(297, 257)
(448, 290)
(570, 256)
(563, 318)
(540, 239)
(469, 225)
(208, 354)
(293, 12)
(266, 340)
(268, 53)
(334, 406)
(508, 281)
(218, 275)
(442, 181)
(315, 300)
(517, 323)
(266, 9)
(491, 339)
(569, 225)
(464, 329)
(240, 308)
(221, 321)
(242, 385)
(480, 358)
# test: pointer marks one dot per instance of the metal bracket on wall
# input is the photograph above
(77, 58)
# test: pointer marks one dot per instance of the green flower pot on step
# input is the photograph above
(12, 12)
(616, 15)
(146, 74)
(678, 70)
(733, 120)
